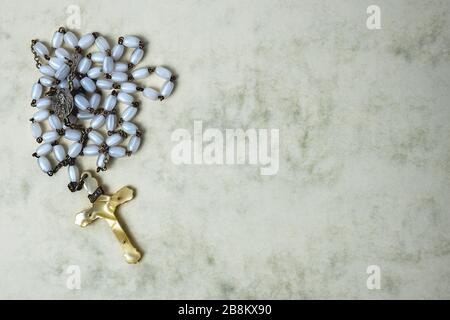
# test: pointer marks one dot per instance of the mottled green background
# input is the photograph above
(364, 155)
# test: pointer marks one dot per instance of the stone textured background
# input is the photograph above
(364, 159)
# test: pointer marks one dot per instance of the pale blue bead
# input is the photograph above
(111, 122)
(57, 39)
(43, 103)
(140, 73)
(114, 140)
(50, 136)
(110, 102)
(46, 81)
(95, 72)
(134, 143)
(117, 51)
(108, 65)
(55, 63)
(119, 77)
(104, 84)
(59, 152)
(36, 91)
(62, 72)
(101, 160)
(41, 49)
(36, 130)
(90, 150)
(47, 71)
(136, 56)
(128, 87)
(151, 93)
(125, 98)
(131, 41)
(163, 73)
(97, 121)
(102, 43)
(88, 84)
(84, 115)
(95, 100)
(44, 164)
(98, 57)
(74, 173)
(120, 67)
(129, 113)
(44, 149)
(41, 115)
(74, 149)
(167, 89)
(72, 135)
(117, 152)
(129, 127)
(55, 122)
(84, 65)
(62, 53)
(70, 39)
(86, 41)
(81, 102)
(63, 84)
(96, 137)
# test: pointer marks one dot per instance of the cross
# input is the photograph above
(104, 207)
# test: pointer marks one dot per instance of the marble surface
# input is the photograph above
(364, 155)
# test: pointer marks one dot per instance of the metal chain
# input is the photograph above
(36, 56)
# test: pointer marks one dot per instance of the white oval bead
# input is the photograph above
(95, 137)
(131, 41)
(72, 135)
(102, 43)
(36, 130)
(81, 102)
(62, 53)
(125, 98)
(140, 73)
(117, 52)
(88, 84)
(128, 87)
(110, 102)
(60, 153)
(108, 65)
(163, 73)
(95, 72)
(47, 71)
(105, 84)
(44, 149)
(137, 56)
(57, 39)
(129, 113)
(71, 39)
(86, 41)
(44, 164)
(55, 122)
(36, 91)
(41, 49)
(55, 62)
(62, 72)
(74, 174)
(84, 115)
(101, 161)
(167, 89)
(119, 77)
(43, 103)
(97, 121)
(95, 100)
(133, 144)
(90, 150)
(111, 122)
(74, 149)
(121, 67)
(151, 93)
(84, 65)
(46, 81)
(63, 84)
(50, 136)
(98, 57)
(90, 185)
(129, 127)
(117, 152)
(76, 83)
(41, 115)
(114, 140)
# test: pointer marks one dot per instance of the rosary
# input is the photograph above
(68, 98)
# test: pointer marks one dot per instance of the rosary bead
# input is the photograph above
(60, 153)
(129, 113)
(44, 164)
(95, 100)
(84, 65)
(96, 137)
(71, 39)
(74, 149)
(104, 84)
(57, 40)
(114, 140)
(43, 103)
(76, 83)
(72, 135)
(97, 121)
(50, 136)
(74, 173)
(163, 73)
(131, 41)
(62, 53)
(111, 122)
(128, 87)
(46, 81)
(63, 84)
(56, 62)
(81, 101)
(86, 41)
(119, 77)
(151, 93)
(117, 51)
(125, 98)
(98, 57)
(137, 56)
(129, 127)
(140, 73)
(41, 49)
(108, 65)
(110, 102)
(85, 115)
(90, 150)
(133, 144)
(95, 72)
(55, 122)
(41, 115)
(36, 130)
(36, 91)
(62, 72)
(120, 67)
(44, 149)
(88, 84)
(167, 89)
(102, 44)
(101, 160)
(47, 71)
(117, 152)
